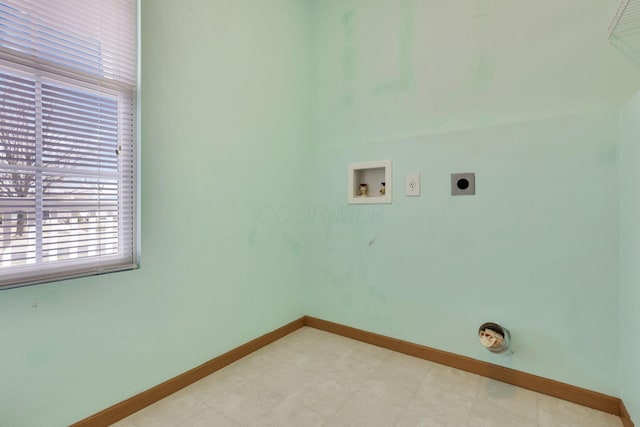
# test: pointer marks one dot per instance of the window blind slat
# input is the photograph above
(84, 144)
(53, 133)
(76, 31)
(98, 150)
(13, 93)
(74, 96)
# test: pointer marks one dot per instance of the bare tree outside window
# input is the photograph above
(44, 145)
(17, 150)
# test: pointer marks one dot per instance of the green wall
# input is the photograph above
(386, 69)
(251, 112)
(537, 248)
(224, 94)
(629, 254)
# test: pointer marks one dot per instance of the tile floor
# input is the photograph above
(314, 378)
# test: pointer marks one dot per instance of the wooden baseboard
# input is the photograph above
(542, 385)
(625, 416)
(142, 400)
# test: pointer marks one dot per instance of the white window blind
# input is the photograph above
(67, 138)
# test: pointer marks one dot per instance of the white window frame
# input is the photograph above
(17, 63)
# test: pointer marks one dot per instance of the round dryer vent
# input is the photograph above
(494, 338)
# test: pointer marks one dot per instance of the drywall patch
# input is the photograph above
(405, 82)
(349, 57)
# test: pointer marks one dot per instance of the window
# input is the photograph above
(68, 82)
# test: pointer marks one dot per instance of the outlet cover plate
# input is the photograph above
(413, 184)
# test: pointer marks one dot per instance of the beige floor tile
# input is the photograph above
(363, 409)
(484, 414)
(255, 364)
(407, 367)
(389, 387)
(333, 345)
(324, 395)
(290, 413)
(216, 386)
(285, 378)
(613, 420)
(560, 413)
(209, 418)
(453, 380)
(347, 368)
(247, 403)
(508, 397)
(415, 420)
(436, 405)
(368, 354)
(169, 412)
(310, 360)
(356, 363)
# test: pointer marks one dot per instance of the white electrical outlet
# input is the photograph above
(413, 184)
